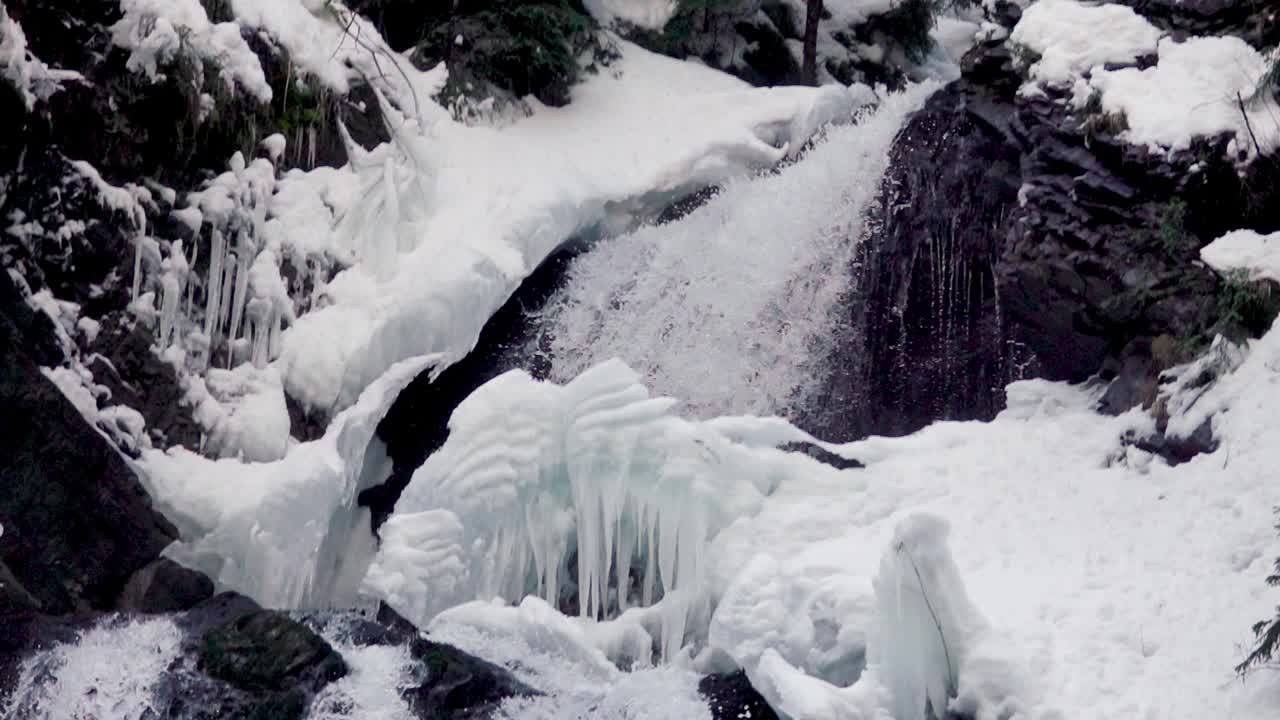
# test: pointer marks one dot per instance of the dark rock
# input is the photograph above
(459, 686)
(215, 612)
(823, 455)
(13, 597)
(77, 523)
(731, 697)
(123, 362)
(265, 650)
(1258, 23)
(508, 50)
(164, 586)
(1018, 237)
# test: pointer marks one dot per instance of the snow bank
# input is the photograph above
(494, 203)
(1072, 38)
(742, 291)
(1245, 250)
(1194, 90)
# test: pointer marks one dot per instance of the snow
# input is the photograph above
(743, 291)
(1245, 250)
(636, 136)
(33, 80)
(648, 14)
(560, 657)
(157, 32)
(107, 673)
(1073, 37)
(1194, 90)
(286, 533)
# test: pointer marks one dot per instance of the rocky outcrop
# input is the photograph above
(77, 523)
(1017, 237)
(731, 696)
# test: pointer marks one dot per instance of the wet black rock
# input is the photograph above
(416, 425)
(731, 697)
(823, 455)
(164, 586)
(265, 650)
(1019, 237)
(77, 522)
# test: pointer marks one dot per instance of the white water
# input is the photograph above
(731, 308)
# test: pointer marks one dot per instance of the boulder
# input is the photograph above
(164, 586)
(731, 697)
(77, 522)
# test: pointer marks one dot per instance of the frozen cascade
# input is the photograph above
(535, 473)
(730, 308)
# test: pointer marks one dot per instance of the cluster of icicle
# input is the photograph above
(246, 303)
(536, 474)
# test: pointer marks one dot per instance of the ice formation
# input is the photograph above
(1256, 254)
(287, 533)
(536, 474)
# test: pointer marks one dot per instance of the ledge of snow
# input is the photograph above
(1245, 250)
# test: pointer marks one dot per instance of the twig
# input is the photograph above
(951, 681)
(1247, 124)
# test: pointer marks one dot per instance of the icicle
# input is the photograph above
(213, 286)
(224, 306)
(137, 269)
(245, 249)
(259, 311)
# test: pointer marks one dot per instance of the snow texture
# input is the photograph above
(158, 32)
(1257, 254)
(647, 14)
(1196, 89)
(33, 80)
(1072, 38)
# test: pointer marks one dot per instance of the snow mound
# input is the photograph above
(1245, 250)
(1195, 89)
(534, 474)
(1072, 38)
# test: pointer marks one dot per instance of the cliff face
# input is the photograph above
(1018, 237)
